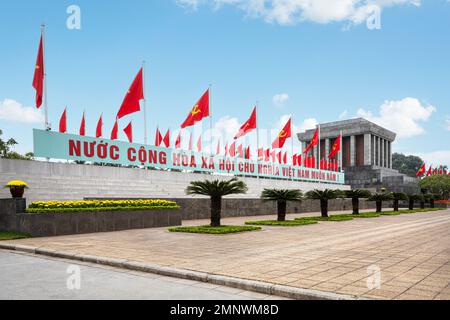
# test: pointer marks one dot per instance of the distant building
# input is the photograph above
(366, 154)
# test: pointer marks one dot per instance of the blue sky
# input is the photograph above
(323, 62)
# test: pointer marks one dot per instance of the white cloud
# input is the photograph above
(286, 12)
(308, 124)
(435, 158)
(343, 115)
(226, 128)
(401, 116)
(280, 99)
(13, 111)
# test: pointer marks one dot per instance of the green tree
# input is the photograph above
(379, 198)
(216, 190)
(439, 184)
(324, 196)
(282, 197)
(408, 165)
(431, 198)
(355, 195)
(5, 150)
(397, 197)
(413, 198)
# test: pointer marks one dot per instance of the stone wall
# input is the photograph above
(63, 181)
(57, 224)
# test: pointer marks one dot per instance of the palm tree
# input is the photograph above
(324, 196)
(397, 197)
(281, 196)
(379, 197)
(355, 195)
(413, 198)
(216, 189)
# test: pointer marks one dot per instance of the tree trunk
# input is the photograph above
(216, 209)
(324, 208)
(395, 205)
(411, 204)
(379, 205)
(432, 203)
(355, 204)
(422, 204)
(282, 210)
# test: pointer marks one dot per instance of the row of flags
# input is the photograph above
(201, 110)
(431, 171)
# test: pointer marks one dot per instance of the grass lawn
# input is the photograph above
(367, 215)
(288, 223)
(214, 230)
(12, 236)
(334, 218)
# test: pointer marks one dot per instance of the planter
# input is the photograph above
(17, 192)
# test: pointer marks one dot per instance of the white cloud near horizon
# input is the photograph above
(435, 158)
(13, 111)
(401, 116)
(289, 12)
(280, 99)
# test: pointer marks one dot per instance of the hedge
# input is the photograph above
(104, 209)
(101, 204)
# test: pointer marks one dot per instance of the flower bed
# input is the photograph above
(99, 205)
(443, 201)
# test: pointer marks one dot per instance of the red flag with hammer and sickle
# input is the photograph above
(198, 112)
(336, 148)
(285, 134)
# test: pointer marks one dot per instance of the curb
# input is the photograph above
(237, 283)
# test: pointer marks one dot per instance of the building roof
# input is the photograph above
(349, 127)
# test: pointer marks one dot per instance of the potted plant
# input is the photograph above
(17, 188)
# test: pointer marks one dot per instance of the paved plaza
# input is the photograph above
(411, 251)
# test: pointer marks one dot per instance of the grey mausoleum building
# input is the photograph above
(366, 154)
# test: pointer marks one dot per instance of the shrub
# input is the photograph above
(101, 204)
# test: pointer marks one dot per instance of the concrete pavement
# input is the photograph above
(35, 278)
(408, 254)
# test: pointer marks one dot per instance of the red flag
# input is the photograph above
(166, 139)
(285, 134)
(429, 171)
(129, 132)
(314, 141)
(232, 150)
(39, 74)
(199, 144)
(134, 95)
(267, 155)
(115, 131)
(241, 151)
(198, 112)
(248, 126)
(63, 122)
(273, 156)
(98, 130)
(285, 158)
(336, 148)
(421, 171)
(158, 138)
(226, 150)
(260, 153)
(294, 160)
(178, 141)
(279, 156)
(247, 153)
(83, 126)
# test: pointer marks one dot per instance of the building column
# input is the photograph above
(374, 150)
(390, 154)
(352, 151)
(327, 148)
(367, 149)
(383, 153)
(378, 151)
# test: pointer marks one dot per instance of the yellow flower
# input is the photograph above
(16, 183)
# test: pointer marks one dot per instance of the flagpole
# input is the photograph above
(47, 124)
(145, 103)
(341, 152)
(318, 150)
(210, 121)
(257, 140)
(292, 143)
